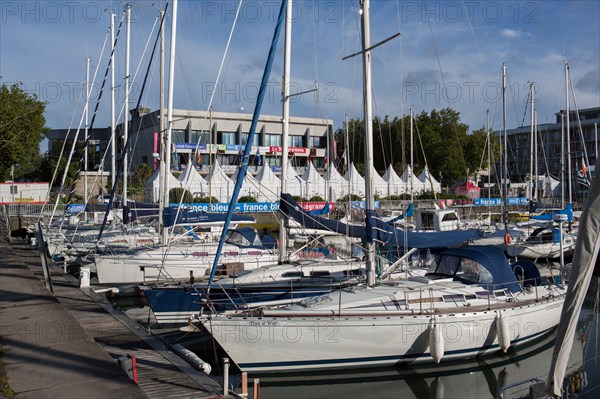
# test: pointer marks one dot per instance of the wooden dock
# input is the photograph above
(160, 372)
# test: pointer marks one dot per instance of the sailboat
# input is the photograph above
(468, 304)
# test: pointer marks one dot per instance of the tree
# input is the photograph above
(22, 128)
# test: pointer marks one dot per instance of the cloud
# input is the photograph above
(590, 81)
(513, 34)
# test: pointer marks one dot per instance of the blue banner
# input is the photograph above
(517, 201)
(362, 204)
(245, 207)
(73, 209)
(487, 201)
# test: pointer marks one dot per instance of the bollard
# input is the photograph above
(225, 376)
(129, 365)
(85, 272)
(256, 388)
(245, 384)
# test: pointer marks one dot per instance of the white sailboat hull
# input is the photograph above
(311, 342)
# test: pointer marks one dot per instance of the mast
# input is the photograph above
(505, 166)
(567, 78)
(113, 145)
(126, 101)
(369, 203)
(531, 141)
(562, 160)
(489, 156)
(170, 98)
(286, 116)
(535, 158)
(412, 190)
(87, 114)
(162, 175)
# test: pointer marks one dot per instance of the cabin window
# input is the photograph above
(449, 216)
(353, 272)
(320, 273)
(427, 221)
(292, 275)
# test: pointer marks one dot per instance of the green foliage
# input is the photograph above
(246, 198)
(440, 141)
(316, 198)
(22, 128)
(205, 200)
(298, 198)
(175, 195)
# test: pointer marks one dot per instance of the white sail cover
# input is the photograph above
(549, 186)
(394, 182)
(269, 184)
(429, 182)
(357, 182)
(379, 184)
(584, 261)
(192, 181)
(412, 184)
(249, 187)
(314, 184)
(153, 185)
(220, 185)
(335, 185)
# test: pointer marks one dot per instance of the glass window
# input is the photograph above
(255, 139)
(316, 142)
(201, 136)
(295, 141)
(272, 139)
(228, 138)
(178, 136)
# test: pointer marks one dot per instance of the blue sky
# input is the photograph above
(460, 45)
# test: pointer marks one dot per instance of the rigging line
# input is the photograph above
(387, 95)
(437, 56)
(72, 189)
(401, 131)
(474, 36)
(587, 162)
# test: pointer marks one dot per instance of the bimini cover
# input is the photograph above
(248, 237)
(493, 260)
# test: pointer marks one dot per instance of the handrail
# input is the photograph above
(390, 269)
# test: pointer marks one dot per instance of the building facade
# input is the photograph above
(204, 137)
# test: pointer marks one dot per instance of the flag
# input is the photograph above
(583, 179)
(198, 158)
(309, 160)
(582, 175)
(240, 156)
(258, 158)
(175, 157)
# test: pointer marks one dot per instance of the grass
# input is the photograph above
(5, 390)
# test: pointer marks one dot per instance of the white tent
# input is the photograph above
(249, 187)
(220, 185)
(379, 184)
(335, 185)
(269, 184)
(429, 181)
(394, 182)
(357, 182)
(314, 184)
(412, 184)
(153, 186)
(293, 182)
(192, 181)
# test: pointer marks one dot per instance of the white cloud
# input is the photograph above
(513, 34)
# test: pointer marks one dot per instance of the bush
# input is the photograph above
(354, 198)
(316, 198)
(175, 195)
(204, 200)
(246, 198)
(298, 198)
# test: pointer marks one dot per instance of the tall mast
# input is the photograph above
(171, 90)
(87, 112)
(126, 118)
(113, 144)
(489, 156)
(412, 189)
(535, 157)
(567, 78)
(505, 166)
(287, 50)
(162, 175)
(370, 202)
(562, 160)
(531, 141)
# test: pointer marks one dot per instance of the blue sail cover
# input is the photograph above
(410, 212)
(188, 217)
(548, 216)
(376, 229)
(322, 211)
(493, 259)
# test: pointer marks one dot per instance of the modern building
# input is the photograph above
(198, 135)
(583, 143)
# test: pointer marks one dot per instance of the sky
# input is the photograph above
(457, 45)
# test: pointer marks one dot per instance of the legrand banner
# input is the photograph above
(251, 207)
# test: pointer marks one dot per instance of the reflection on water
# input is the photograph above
(481, 378)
